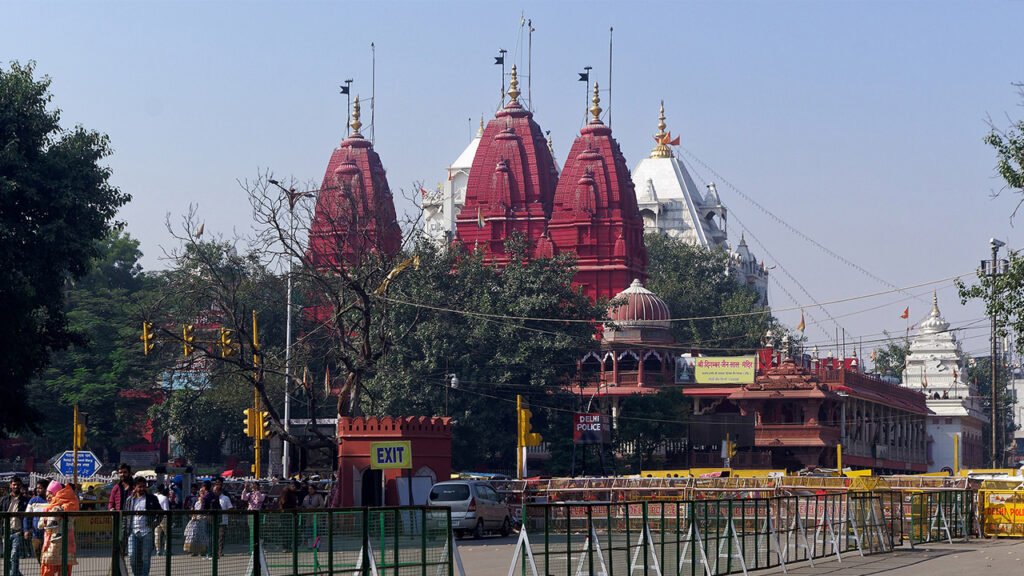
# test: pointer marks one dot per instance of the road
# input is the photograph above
(492, 556)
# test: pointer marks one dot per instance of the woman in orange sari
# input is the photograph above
(60, 499)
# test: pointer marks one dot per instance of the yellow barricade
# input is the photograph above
(1002, 508)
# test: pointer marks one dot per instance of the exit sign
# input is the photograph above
(390, 455)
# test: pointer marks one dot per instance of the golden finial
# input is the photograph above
(356, 124)
(513, 87)
(661, 149)
(595, 110)
(480, 130)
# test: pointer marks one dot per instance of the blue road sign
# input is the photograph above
(88, 463)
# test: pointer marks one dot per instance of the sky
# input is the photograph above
(858, 124)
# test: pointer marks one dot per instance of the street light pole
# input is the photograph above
(293, 197)
(993, 274)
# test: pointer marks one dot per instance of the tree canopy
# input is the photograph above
(56, 203)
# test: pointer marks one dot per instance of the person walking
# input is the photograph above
(58, 552)
(122, 490)
(36, 503)
(196, 537)
(21, 527)
(223, 503)
(160, 532)
(253, 496)
(142, 512)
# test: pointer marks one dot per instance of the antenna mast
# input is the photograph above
(610, 31)
(373, 93)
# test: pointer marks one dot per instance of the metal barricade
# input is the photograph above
(412, 540)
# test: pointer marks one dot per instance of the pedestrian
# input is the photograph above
(223, 503)
(160, 532)
(37, 503)
(289, 499)
(253, 496)
(143, 515)
(21, 527)
(196, 537)
(59, 531)
(313, 499)
(122, 489)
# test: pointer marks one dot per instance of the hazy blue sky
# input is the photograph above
(860, 123)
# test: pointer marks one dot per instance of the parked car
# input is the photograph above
(476, 507)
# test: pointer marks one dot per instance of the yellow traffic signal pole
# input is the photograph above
(520, 449)
(839, 460)
(74, 449)
(256, 398)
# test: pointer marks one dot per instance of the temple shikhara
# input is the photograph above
(507, 183)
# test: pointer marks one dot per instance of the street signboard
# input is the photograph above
(592, 428)
(390, 455)
(88, 463)
(726, 370)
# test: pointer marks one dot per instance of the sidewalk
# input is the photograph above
(974, 558)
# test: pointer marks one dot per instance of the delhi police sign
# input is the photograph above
(390, 455)
(88, 463)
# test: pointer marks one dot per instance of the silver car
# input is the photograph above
(476, 507)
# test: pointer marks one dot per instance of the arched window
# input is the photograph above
(628, 361)
(652, 363)
(609, 362)
(590, 365)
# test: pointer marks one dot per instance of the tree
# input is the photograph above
(56, 202)
(696, 283)
(1008, 144)
(979, 371)
(488, 345)
(891, 359)
(97, 370)
(648, 420)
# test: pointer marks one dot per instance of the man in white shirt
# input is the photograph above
(160, 532)
(225, 504)
(140, 526)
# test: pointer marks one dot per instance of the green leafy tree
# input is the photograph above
(1008, 144)
(492, 349)
(56, 202)
(979, 371)
(889, 360)
(102, 369)
(695, 283)
(646, 421)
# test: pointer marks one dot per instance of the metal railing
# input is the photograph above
(710, 537)
(413, 540)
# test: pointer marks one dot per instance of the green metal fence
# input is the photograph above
(400, 541)
(710, 537)
(940, 516)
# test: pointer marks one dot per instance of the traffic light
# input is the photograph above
(188, 338)
(227, 347)
(147, 338)
(526, 435)
(80, 429)
(250, 422)
(730, 448)
(263, 421)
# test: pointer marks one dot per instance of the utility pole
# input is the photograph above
(993, 273)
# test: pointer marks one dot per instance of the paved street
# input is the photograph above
(493, 555)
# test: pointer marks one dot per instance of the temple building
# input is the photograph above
(510, 186)
(635, 355)
(442, 206)
(671, 203)
(934, 368)
(355, 210)
(804, 406)
(595, 215)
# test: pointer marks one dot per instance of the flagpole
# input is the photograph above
(373, 93)
(610, 30)
(501, 60)
(348, 108)
(529, 65)
(586, 94)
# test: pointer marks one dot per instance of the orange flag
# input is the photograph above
(479, 218)
(675, 141)
(906, 313)
(801, 325)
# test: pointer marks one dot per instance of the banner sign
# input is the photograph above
(725, 370)
(592, 428)
(390, 455)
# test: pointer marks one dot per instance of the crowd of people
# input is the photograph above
(50, 540)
